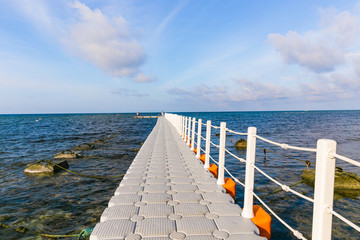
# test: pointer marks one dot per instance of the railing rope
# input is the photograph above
(283, 186)
(295, 232)
(199, 138)
(193, 134)
(286, 146)
(249, 173)
(324, 189)
(207, 144)
(238, 133)
(221, 175)
(234, 156)
(351, 161)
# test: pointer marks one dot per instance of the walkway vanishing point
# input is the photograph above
(168, 194)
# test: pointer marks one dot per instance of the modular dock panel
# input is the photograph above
(168, 194)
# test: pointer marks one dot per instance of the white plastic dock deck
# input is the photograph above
(167, 194)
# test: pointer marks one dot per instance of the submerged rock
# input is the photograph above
(84, 146)
(99, 141)
(40, 168)
(218, 135)
(67, 154)
(344, 181)
(241, 144)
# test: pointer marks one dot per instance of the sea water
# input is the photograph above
(66, 203)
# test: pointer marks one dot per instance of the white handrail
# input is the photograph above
(193, 135)
(217, 146)
(351, 224)
(236, 157)
(207, 144)
(238, 133)
(349, 160)
(198, 142)
(249, 173)
(189, 131)
(283, 186)
(234, 178)
(324, 189)
(296, 233)
(221, 176)
(286, 146)
(217, 163)
(324, 181)
(203, 150)
(185, 128)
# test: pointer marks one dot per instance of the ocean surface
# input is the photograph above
(66, 203)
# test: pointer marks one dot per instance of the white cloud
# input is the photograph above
(343, 27)
(241, 90)
(355, 60)
(107, 43)
(322, 50)
(129, 92)
(312, 52)
(169, 17)
(325, 88)
(330, 87)
(251, 90)
(141, 78)
(40, 15)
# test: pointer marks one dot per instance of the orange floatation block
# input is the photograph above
(195, 150)
(262, 220)
(214, 169)
(202, 158)
(230, 187)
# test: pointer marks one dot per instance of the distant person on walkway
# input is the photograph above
(137, 114)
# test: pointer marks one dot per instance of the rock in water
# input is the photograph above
(241, 144)
(100, 141)
(344, 181)
(40, 168)
(84, 146)
(67, 154)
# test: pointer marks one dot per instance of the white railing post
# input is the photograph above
(249, 173)
(199, 139)
(207, 144)
(188, 133)
(324, 189)
(222, 142)
(181, 126)
(185, 129)
(178, 123)
(193, 134)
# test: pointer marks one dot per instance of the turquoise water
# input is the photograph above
(65, 203)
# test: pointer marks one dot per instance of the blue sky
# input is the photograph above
(71, 56)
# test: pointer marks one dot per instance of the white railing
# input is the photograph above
(324, 172)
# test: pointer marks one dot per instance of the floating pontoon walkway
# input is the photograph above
(167, 194)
